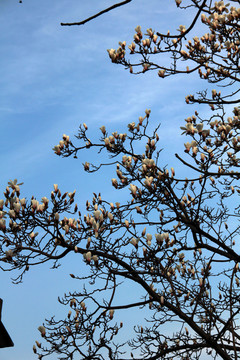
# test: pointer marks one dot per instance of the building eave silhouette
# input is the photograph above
(5, 340)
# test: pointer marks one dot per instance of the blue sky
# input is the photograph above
(53, 78)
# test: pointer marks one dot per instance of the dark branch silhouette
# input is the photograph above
(98, 14)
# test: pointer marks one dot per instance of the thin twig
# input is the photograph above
(190, 27)
(98, 14)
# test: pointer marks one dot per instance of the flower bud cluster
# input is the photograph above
(195, 49)
(142, 45)
(96, 220)
(113, 140)
(189, 129)
(160, 238)
(88, 257)
(134, 242)
(227, 135)
(120, 175)
(182, 29)
(133, 189)
(119, 54)
(136, 127)
(148, 165)
(68, 223)
(149, 239)
(64, 143)
(127, 161)
(188, 201)
(39, 208)
(14, 186)
(222, 15)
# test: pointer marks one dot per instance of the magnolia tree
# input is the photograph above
(175, 239)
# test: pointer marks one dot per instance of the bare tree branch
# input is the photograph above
(98, 14)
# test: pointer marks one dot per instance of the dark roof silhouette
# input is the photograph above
(5, 340)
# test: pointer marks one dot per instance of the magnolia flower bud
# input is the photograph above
(65, 138)
(32, 235)
(134, 242)
(112, 54)
(38, 344)
(139, 210)
(41, 208)
(56, 216)
(83, 305)
(95, 259)
(199, 127)
(57, 149)
(42, 330)
(73, 303)
(182, 28)
(17, 207)
(117, 205)
(68, 329)
(149, 237)
(9, 254)
(111, 312)
(138, 29)
(103, 129)
(12, 214)
(97, 214)
(161, 73)
(159, 238)
(110, 216)
(131, 126)
(115, 183)
(133, 189)
(147, 112)
(86, 166)
(34, 204)
(77, 324)
(88, 256)
(2, 204)
(44, 200)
